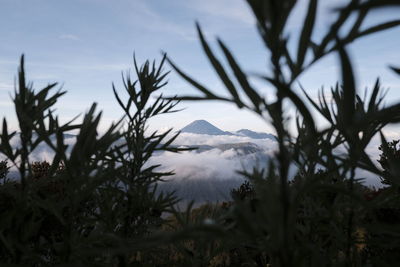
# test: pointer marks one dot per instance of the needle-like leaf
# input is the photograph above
(305, 37)
(219, 69)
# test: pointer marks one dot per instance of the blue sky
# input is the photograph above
(85, 44)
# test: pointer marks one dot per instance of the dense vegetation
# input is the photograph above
(95, 203)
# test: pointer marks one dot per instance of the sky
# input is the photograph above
(86, 44)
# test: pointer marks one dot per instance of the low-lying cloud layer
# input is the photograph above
(205, 139)
(214, 163)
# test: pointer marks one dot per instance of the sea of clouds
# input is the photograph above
(212, 166)
(214, 163)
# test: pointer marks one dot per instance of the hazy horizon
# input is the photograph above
(85, 44)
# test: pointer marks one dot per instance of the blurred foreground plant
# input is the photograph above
(321, 218)
(95, 198)
(95, 202)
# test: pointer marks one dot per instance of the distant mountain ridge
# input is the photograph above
(204, 127)
(255, 135)
(243, 148)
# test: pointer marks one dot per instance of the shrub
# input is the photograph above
(321, 218)
(106, 212)
(96, 204)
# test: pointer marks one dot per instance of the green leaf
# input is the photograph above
(119, 99)
(357, 24)
(372, 105)
(305, 37)
(322, 108)
(349, 88)
(384, 142)
(374, 4)
(199, 98)
(195, 84)
(289, 60)
(397, 70)
(379, 28)
(387, 115)
(333, 31)
(242, 79)
(298, 103)
(219, 69)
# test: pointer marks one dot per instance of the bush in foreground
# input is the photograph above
(97, 205)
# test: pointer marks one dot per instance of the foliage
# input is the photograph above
(95, 203)
(93, 200)
(4, 169)
(322, 218)
(389, 160)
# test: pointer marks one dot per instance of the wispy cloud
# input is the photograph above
(229, 9)
(154, 21)
(6, 103)
(69, 37)
(6, 86)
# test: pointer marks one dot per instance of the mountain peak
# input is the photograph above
(203, 123)
(203, 127)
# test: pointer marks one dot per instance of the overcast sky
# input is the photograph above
(85, 44)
